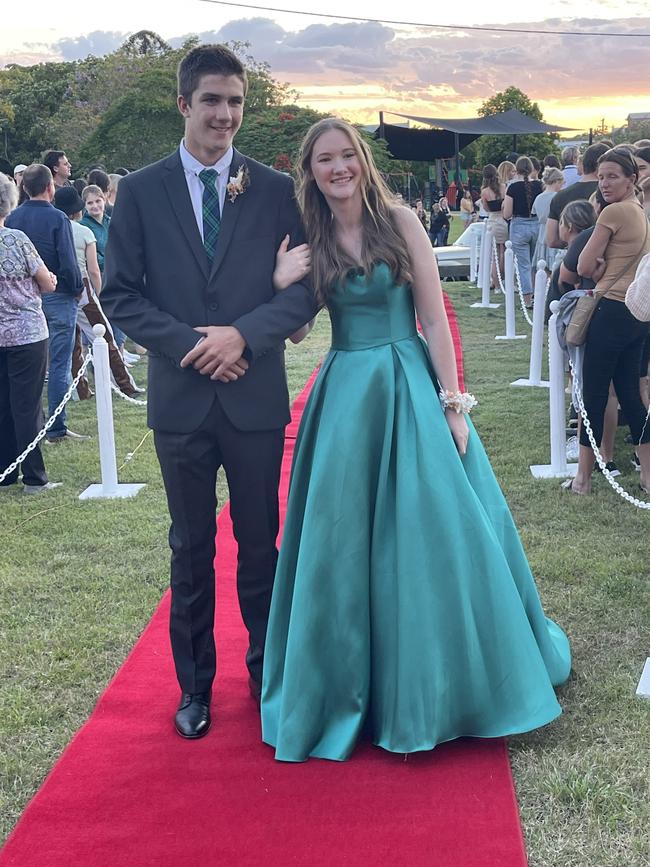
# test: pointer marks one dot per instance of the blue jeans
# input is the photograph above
(61, 313)
(523, 234)
(118, 335)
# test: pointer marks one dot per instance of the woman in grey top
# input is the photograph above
(23, 347)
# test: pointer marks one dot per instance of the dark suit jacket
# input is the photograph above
(158, 287)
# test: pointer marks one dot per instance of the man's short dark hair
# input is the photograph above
(591, 156)
(208, 60)
(51, 159)
(36, 179)
(121, 171)
(100, 179)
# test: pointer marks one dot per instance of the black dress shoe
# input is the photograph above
(192, 718)
(255, 690)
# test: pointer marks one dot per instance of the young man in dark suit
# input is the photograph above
(189, 267)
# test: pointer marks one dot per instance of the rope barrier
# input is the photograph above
(130, 455)
(48, 424)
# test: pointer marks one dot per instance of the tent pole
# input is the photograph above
(514, 143)
(381, 124)
(457, 150)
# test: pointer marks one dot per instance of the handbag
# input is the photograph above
(576, 332)
(637, 297)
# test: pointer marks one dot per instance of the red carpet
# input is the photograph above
(455, 333)
(128, 792)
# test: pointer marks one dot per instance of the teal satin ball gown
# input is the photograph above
(403, 602)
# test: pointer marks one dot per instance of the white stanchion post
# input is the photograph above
(509, 286)
(473, 256)
(480, 240)
(109, 487)
(537, 340)
(485, 270)
(643, 689)
(558, 468)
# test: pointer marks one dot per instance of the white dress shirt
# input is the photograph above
(192, 168)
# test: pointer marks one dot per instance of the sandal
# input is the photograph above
(567, 486)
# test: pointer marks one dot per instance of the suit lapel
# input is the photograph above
(229, 217)
(176, 186)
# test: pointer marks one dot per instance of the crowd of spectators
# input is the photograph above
(583, 215)
(53, 235)
(586, 219)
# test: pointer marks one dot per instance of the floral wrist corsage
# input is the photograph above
(457, 400)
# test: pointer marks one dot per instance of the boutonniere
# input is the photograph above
(238, 183)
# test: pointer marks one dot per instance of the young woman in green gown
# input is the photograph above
(403, 603)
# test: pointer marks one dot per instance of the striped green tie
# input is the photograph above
(211, 211)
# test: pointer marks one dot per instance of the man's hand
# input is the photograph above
(218, 354)
(235, 371)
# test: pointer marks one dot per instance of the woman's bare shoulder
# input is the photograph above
(405, 218)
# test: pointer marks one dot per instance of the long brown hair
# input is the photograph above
(524, 168)
(381, 239)
(491, 179)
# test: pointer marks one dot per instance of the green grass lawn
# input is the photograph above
(79, 581)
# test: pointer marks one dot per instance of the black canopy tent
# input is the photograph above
(450, 135)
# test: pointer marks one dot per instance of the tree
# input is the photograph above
(495, 148)
(635, 131)
(140, 127)
(145, 43)
(31, 95)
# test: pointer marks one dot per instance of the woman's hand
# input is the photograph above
(290, 265)
(459, 429)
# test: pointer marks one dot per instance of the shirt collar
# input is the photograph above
(194, 167)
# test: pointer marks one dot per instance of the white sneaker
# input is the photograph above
(572, 449)
(130, 357)
(39, 489)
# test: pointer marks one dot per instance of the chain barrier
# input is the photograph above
(524, 309)
(126, 397)
(620, 490)
(48, 424)
(495, 255)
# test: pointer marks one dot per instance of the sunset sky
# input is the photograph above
(357, 68)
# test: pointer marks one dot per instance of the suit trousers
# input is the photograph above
(22, 373)
(189, 463)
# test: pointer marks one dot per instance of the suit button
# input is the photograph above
(213, 306)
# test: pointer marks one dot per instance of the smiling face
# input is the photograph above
(336, 167)
(614, 184)
(212, 116)
(95, 206)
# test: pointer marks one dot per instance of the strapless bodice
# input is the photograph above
(369, 310)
